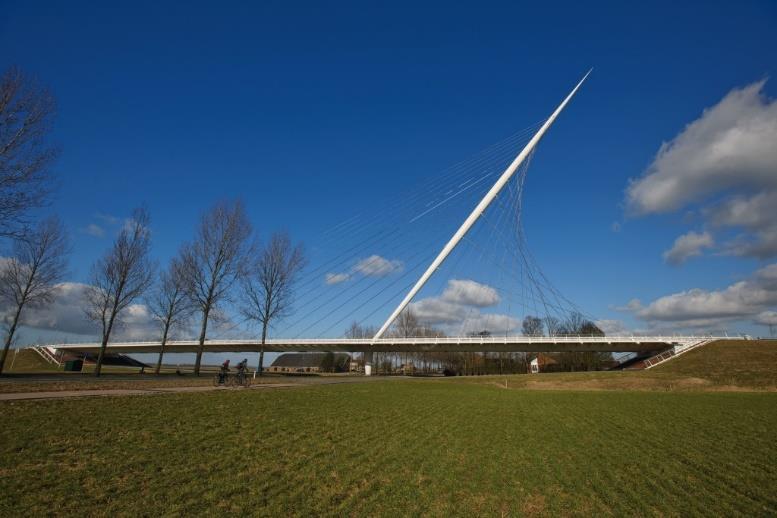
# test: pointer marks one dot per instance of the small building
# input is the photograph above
(408, 369)
(310, 363)
(540, 363)
(356, 365)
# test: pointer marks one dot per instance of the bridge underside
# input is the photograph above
(508, 344)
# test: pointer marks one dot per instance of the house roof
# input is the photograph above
(309, 359)
(544, 359)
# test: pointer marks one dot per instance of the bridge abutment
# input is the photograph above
(368, 363)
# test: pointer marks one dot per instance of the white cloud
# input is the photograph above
(377, 266)
(766, 318)
(729, 153)
(757, 214)
(93, 230)
(336, 278)
(688, 245)
(732, 144)
(491, 322)
(705, 308)
(66, 314)
(612, 327)
(632, 305)
(458, 309)
(372, 266)
(471, 293)
(99, 230)
(107, 218)
(434, 310)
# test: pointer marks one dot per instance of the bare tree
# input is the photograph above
(268, 288)
(532, 326)
(120, 277)
(26, 113)
(169, 304)
(553, 326)
(573, 325)
(407, 325)
(355, 330)
(214, 261)
(590, 329)
(29, 278)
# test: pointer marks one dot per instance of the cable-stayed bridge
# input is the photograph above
(472, 292)
(636, 344)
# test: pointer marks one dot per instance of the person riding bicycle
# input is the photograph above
(224, 372)
(242, 367)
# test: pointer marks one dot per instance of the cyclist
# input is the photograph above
(224, 372)
(242, 367)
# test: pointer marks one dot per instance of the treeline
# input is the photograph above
(407, 325)
(575, 324)
(223, 263)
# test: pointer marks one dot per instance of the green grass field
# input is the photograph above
(427, 447)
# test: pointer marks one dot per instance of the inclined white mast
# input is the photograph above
(476, 213)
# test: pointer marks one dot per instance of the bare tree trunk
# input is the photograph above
(162, 348)
(203, 330)
(98, 368)
(9, 338)
(106, 336)
(260, 367)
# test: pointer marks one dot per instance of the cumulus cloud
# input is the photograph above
(459, 309)
(766, 318)
(434, 310)
(469, 292)
(66, 314)
(729, 155)
(750, 298)
(494, 323)
(687, 246)
(372, 266)
(632, 305)
(612, 327)
(730, 145)
(377, 266)
(757, 214)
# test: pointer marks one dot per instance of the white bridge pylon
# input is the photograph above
(478, 211)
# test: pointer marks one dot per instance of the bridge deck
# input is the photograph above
(464, 344)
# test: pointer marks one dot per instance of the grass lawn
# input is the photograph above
(429, 447)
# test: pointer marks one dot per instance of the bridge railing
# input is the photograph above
(669, 340)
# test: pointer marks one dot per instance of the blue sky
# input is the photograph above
(312, 112)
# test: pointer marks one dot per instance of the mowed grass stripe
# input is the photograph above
(428, 448)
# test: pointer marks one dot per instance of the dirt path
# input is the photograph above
(65, 393)
(62, 394)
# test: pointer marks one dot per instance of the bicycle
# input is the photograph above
(241, 379)
(221, 379)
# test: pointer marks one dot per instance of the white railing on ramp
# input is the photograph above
(47, 353)
(675, 351)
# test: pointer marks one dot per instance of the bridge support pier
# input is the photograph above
(368, 363)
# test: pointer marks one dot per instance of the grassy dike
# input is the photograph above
(393, 448)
